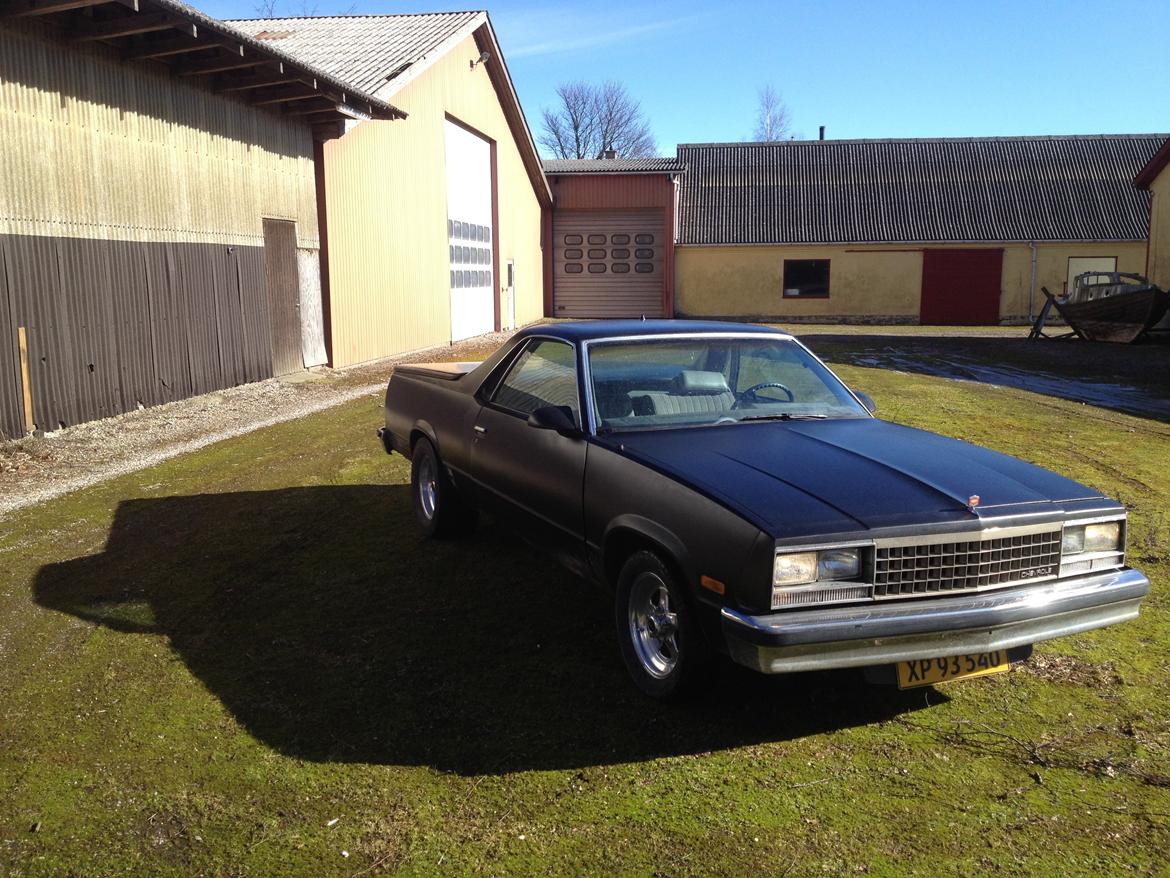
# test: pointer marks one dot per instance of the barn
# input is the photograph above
(1154, 178)
(158, 207)
(433, 223)
(933, 231)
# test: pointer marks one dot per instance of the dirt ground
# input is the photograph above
(34, 470)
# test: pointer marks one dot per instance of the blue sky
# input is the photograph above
(888, 69)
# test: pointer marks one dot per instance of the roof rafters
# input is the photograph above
(129, 25)
(27, 8)
(193, 45)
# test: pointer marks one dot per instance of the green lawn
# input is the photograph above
(245, 661)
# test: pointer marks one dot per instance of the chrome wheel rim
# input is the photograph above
(428, 489)
(653, 625)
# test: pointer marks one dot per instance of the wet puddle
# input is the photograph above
(1119, 397)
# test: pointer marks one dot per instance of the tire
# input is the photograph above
(438, 507)
(660, 643)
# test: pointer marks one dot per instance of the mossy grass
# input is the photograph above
(244, 661)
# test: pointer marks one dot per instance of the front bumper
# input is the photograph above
(877, 634)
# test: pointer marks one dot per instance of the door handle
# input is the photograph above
(480, 430)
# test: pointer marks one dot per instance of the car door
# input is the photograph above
(534, 477)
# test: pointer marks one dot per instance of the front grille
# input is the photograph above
(960, 566)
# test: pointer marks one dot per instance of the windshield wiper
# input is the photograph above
(784, 416)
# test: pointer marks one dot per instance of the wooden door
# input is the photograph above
(961, 287)
(284, 297)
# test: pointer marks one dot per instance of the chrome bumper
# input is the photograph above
(877, 634)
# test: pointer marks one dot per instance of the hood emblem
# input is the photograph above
(972, 501)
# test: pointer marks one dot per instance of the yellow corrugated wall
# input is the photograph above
(386, 197)
(865, 282)
(91, 147)
(1159, 262)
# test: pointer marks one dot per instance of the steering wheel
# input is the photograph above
(750, 393)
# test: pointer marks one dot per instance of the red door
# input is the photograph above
(961, 287)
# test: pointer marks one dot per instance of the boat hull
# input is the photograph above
(1120, 318)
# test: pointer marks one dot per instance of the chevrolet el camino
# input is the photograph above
(735, 496)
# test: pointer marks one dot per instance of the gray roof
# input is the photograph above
(1075, 188)
(365, 51)
(658, 165)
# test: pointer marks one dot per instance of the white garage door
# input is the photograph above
(608, 263)
(469, 232)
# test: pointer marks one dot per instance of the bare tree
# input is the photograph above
(773, 121)
(302, 9)
(594, 118)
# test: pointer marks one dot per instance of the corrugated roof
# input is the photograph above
(1148, 174)
(366, 51)
(1076, 188)
(659, 164)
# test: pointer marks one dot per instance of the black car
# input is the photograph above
(737, 497)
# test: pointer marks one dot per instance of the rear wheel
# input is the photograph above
(438, 507)
(662, 648)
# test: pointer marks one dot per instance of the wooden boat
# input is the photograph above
(1112, 306)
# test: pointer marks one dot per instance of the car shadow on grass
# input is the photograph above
(333, 632)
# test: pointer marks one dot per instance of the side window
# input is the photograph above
(544, 374)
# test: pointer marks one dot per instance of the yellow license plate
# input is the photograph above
(927, 672)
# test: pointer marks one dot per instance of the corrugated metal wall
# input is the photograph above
(387, 215)
(113, 325)
(131, 210)
(96, 148)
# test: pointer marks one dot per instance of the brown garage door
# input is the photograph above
(608, 263)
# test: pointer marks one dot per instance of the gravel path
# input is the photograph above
(34, 470)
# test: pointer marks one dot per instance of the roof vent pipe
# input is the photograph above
(822, 135)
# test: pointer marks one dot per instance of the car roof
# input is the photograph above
(589, 330)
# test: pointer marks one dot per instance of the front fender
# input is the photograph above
(650, 531)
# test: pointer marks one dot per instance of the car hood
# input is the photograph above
(795, 479)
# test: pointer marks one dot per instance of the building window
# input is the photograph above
(573, 268)
(643, 239)
(620, 268)
(597, 239)
(806, 278)
(597, 253)
(1081, 264)
(597, 268)
(572, 239)
(619, 239)
(573, 254)
(644, 267)
(644, 253)
(620, 253)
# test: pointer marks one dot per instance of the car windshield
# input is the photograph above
(691, 382)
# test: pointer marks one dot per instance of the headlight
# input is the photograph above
(795, 569)
(800, 578)
(1103, 537)
(838, 564)
(1088, 547)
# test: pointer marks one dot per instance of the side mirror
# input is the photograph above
(555, 417)
(866, 401)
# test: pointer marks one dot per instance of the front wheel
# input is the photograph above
(438, 507)
(660, 644)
